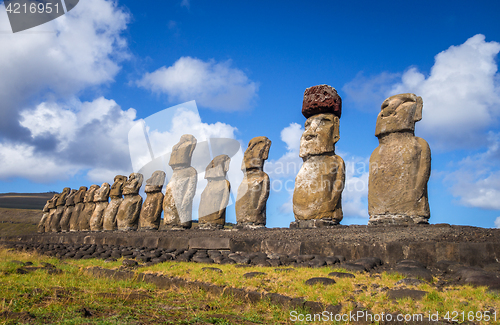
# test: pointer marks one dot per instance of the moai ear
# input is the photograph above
(418, 110)
(336, 127)
(227, 162)
(267, 146)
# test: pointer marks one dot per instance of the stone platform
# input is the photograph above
(425, 243)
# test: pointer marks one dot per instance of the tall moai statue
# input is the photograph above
(101, 203)
(88, 208)
(317, 197)
(69, 207)
(55, 221)
(127, 217)
(400, 166)
(116, 198)
(52, 211)
(180, 191)
(253, 191)
(215, 196)
(152, 207)
(74, 222)
(45, 216)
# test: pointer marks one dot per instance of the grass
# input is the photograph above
(63, 299)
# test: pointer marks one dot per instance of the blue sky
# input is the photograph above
(71, 90)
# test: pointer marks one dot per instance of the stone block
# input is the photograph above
(173, 242)
(280, 247)
(209, 243)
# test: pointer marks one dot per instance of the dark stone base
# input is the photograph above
(210, 226)
(389, 219)
(249, 225)
(313, 223)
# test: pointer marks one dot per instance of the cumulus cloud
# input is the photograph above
(497, 222)
(476, 181)
(83, 50)
(212, 84)
(461, 93)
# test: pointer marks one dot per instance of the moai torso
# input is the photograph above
(180, 191)
(43, 220)
(88, 208)
(116, 198)
(152, 207)
(74, 221)
(127, 217)
(399, 166)
(55, 222)
(253, 191)
(101, 203)
(69, 207)
(215, 196)
(52, 210)
(317, 197)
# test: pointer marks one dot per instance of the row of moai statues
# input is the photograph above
(397, 188)
(399, 167)
(89, 209)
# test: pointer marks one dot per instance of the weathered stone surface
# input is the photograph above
(400, 166)
(88, 208)
(69, 207)
(321, 280)
(406, 293)
(253, 191)
(52, 211)
(127, 217)
(320, 181)
(55, 221)
(321, 99)
(152, 207)
(178, 200)
(74, 221)
(45, 216)
(116, 198)
(215, 196)
(101, 203)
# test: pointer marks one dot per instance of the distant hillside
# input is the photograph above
(14, 222)
(34, 201)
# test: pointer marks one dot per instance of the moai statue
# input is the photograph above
(45, 216)
(69, 207)
(55, 221)
(109, 217)
(152, 207)
(317, 197)
(127, 217)
(52, 211)
(215, 196)
(101, 203)
(253, 191)
(74, 221)
(178, 201)
(400, 166)
(88, 208)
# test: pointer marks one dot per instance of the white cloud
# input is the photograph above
(211, 84)
(89, 136)
(461, 94)
(497, 222)
(476, 181)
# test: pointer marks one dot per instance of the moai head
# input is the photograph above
(117, 187)
(133, 185)
(320, 135)
(322, 107)
(218, 167)
(52, 202)
(155, 182)
(89, 195)
(182, 152)
(399, 113)
(70, 199)
(62, 197)
(46, 206)
(102, 194)
(80, 195)
(256, 153)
